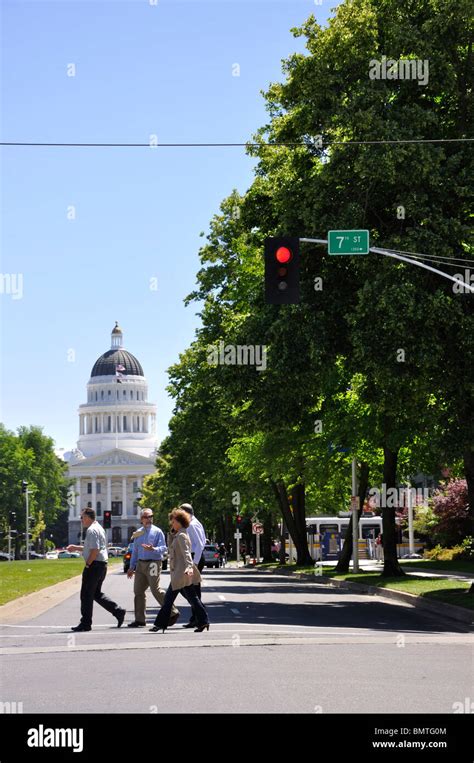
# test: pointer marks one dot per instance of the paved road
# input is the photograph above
(275, 645)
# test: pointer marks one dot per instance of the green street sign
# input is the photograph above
(348, 242)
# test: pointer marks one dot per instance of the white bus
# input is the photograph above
(317, 527)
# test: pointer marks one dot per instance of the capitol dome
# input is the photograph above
(107, 364)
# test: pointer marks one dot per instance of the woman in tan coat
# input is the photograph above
(183, 572)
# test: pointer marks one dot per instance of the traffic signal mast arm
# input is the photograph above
(388, 253)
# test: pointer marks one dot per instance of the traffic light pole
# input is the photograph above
(388, 253)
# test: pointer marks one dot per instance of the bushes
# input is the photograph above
(464, 550)
(450, 509)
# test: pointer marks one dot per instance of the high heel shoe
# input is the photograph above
(201, 628)
(157, 628)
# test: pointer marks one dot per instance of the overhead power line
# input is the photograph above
(441, 258)
(455, 265)
(420, 264)
(247, 144)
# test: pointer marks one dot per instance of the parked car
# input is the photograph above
(116, 551)
(68, 555)
(211, 555)
(126, 557)
(5, 558)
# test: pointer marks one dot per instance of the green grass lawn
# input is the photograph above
(22, 577)
(461, 565)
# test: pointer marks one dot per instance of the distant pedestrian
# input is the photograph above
(379, 547)
(95, 556)
(149, 548)
(184, 574)
(222, 555)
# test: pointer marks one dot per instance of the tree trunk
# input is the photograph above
(346, 552)
(267, 537)
(391, 567)
(221, 523)
(229, 531)
(469, 474)
(296, 523)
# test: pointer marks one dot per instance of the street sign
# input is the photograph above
(237, 535)
(348, 242)
(257, 529)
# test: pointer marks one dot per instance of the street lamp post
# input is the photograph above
(24, 489)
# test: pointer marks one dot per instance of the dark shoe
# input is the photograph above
(136, 624)
(121, 617)
(157, 628)
(202, 628)
(191, 624)
(80, 627)
(173, 619)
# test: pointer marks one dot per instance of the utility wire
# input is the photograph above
(388, 253)
(248, 144)
(438, 262)
(438, 257)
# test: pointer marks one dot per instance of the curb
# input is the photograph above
(450, 611)
(34, 604)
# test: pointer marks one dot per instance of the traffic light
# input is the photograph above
(12, 518)
(24, 486)
(282, 270)
(107, 520)
(238, 519)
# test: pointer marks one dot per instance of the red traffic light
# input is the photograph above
(283, 254)
(282, 263)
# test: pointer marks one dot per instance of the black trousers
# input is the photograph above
(200, 567)
(199, 613)
(91, 591)
(197, 587)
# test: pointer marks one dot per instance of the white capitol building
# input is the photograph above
(116, 448)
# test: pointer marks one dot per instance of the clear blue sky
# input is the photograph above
(141, 69)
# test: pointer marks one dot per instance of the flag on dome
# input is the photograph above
(118, 374)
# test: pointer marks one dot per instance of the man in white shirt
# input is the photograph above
(197, 536)
(95, 556)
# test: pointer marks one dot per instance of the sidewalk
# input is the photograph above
(370, 565)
